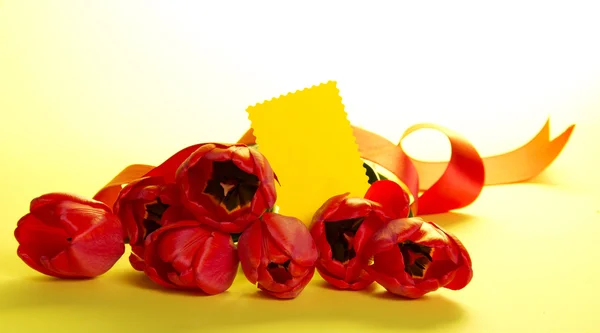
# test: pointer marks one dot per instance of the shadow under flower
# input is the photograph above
(140, 280)
(325, 285)
(128, 300)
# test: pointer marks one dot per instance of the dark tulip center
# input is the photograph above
(235, 237)
(417, 258)
(154, 212)
(230, 186)
(340, 236)
(279, 272)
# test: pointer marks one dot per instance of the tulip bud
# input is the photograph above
(190, 255)
(228, 186)
(410, 257)
(340, 228)
(67, 236)
(143, 206)
(278, 254)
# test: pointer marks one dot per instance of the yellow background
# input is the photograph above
(87, 87)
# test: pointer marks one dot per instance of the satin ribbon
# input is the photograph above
(437, 187)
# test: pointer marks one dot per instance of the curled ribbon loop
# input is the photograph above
(462, 180)
(515, 166)
(458, 186)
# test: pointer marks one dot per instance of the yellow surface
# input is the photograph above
(87, 87)
(308, 140)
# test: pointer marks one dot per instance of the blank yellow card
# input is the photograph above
(308, 141)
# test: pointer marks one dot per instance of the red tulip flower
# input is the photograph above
(67, 236)
(190, 255)
(340, 229)
(278, 253)
(410, 257)
(143, 206)
(229, 186)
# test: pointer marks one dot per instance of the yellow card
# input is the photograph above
(308, 141)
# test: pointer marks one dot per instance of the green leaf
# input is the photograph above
(370, 173)
(274, 209)
(410, 213)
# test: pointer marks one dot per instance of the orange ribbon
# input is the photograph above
(445, 185)
(109, 193)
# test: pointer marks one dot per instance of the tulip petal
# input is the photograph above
(391, 196)
(250, 246)
(392, 233)
(390, 262)
(464, 273)
(430, 236)
(458, 254)
(372, 223)
(296, 270)
(216, 266)
(180, 239)
(268, 193)
(292, 236)
(136, 262)
(334, 267)
(244, 159)
(325, 263)
(329, 207)
(184, 280)
(272, 252)
(38, 238)
(351, 208)
(462, 278)
(335, 281)
(34, 263)
(175, 214)
(184, 256)
(194, 184)
(386, 239)
(406, 290)
(220, 153)
(128, 214)
(266, 281)
(294, 292)
(164, 246)
(387, 281)
(103, 243)
(169, 194)
(354, 268)
(53, 198)
(66, 263)
(153, 274)
(456, 248)
(446, 279)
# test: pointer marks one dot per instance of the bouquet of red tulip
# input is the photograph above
(212, 207)
(192, 220)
